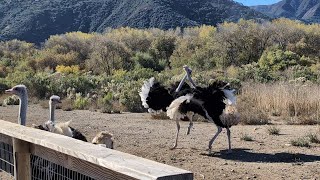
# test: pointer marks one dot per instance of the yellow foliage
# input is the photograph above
(206, 31)
(74, 69)
(80, 35)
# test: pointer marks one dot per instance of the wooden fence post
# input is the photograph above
(21, 151)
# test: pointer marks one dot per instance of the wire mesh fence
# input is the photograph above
(42, 169)
(6, 158)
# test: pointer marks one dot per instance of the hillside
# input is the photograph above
(34, 21)
(304, 10)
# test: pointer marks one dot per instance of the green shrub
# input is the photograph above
(272, 130)
(106, 103)
(81, 102)
(313, 138)
(301, 142)
(130, 98)
(145, 60)
(3, 87)
(276, 59)
(11, 100)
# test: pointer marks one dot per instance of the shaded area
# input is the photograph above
(245, 155)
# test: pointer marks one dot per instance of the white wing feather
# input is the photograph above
(145, 89)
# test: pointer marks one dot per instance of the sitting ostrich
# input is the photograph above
(103, 139)
(216, 103)
(59, 128)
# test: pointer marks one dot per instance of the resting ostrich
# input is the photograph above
(103, 139)
(215, 103)
(59, 128)
(53, 102)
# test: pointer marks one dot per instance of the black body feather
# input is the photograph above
(206, 101)
(78, 135)
(160, 97)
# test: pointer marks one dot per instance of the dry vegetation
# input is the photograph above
(293, 102)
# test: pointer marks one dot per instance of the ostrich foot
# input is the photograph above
(188, 132)
(173, 147)
(210, 150)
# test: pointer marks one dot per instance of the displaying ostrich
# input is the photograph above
(103, 139)
(156, 97)
(216, 103)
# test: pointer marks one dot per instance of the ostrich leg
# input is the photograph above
(214, 138)
(190, 117)
(177, 134)
(229, 140)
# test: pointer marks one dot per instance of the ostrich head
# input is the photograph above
(54, 100)
(188, 73)
(22, 93)
(19, 90)
(103, 138)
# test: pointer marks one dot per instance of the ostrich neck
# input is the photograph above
(52, 108)
(23, 110)
(181, 82)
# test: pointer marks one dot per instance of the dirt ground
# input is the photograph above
(266, 157)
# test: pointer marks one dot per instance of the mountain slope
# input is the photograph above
(35, 20)
(304, 10)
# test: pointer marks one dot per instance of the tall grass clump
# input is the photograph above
(272, 130)
(313, 138)
(297, 103)
(300, 142)
(246, 137)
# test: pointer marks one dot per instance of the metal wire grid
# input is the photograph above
(42, 169)
(6, 158)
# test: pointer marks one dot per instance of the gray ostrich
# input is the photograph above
(22, 93)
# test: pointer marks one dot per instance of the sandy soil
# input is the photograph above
(266, 157)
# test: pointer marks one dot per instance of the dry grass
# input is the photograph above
(246, 137)
(313, 138)
(160, 115)
(273, 130)
(67, 105)
(300, 142)
(296, 103)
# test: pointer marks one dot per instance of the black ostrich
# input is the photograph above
(156, 97)
(215, 103)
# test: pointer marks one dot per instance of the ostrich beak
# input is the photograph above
(9, 91)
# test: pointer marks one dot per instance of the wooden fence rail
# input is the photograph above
(91, 160)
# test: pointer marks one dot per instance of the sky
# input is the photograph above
(256, 2)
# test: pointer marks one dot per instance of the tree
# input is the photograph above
(108, 55)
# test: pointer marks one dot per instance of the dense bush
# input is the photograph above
(108, 69)
(11, 100)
